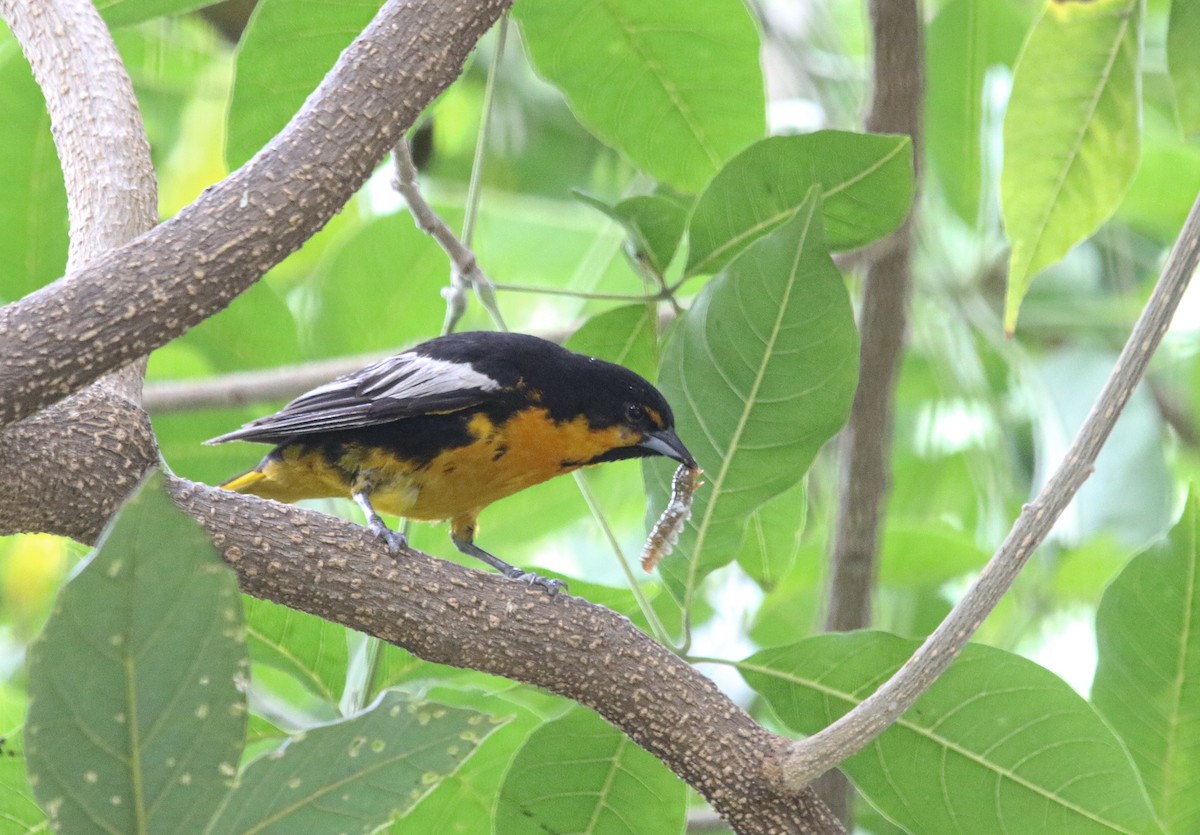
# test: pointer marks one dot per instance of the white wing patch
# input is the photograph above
(410, 375)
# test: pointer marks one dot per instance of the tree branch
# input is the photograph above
(116, 310)
(449, 614)
(812, 756)
(866, 471)
(110, 199)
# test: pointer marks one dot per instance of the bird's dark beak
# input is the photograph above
(666, 442)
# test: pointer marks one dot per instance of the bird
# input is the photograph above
(448, 427)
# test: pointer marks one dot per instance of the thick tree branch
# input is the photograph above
(116, 310)
(105, 157)
(866, 471)
(854, 731)
(445, 613)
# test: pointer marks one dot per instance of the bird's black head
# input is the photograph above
(615, 397)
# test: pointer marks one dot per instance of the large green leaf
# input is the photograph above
(33, 199)
(760, 373)
(866, 185)
(136, 721)
(673, 85)
(580, 774)
(1183, 60)
(309, 648)
(1071, 135)
(1148, 679)
(966, 39)
(998, 744)
(358, 773)
(286, 50)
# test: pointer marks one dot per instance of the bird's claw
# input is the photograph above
(394, 540)
(551, 585)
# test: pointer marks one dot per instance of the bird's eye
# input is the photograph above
(635, 413)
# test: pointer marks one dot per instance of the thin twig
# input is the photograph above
(657, 630)
(634, 298)
(811, 757)
(464, 267)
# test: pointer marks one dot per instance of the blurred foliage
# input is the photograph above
(700, 257)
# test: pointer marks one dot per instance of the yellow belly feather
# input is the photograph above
(525, 450)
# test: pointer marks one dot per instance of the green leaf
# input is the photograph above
(1148, 678)
(625, 335)
(379, 287)
(998, 744)
(866, 185)
(284, 53)
(355, 774)
(19, 813)
(1183, 61)
(760, 373)
(465, 802)
(654, 223)
(580, 774)
(1071, 135)
(673, 85)
(309, 648)
(33, 199)
(128, 12)
(136, 721)
(966, 39)
(773, 537)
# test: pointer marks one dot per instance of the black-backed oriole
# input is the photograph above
(443, 430)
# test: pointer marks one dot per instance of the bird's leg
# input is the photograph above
(394, 540)
(462, 535)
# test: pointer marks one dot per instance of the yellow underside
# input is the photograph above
(456, 485)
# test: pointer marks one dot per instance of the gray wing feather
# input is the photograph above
(403, 386)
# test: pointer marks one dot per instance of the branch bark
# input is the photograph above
(110, 199)
(119, 308)
(446, 613)
(811, 757)
(866, 472)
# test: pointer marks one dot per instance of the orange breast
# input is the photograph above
(527, 449)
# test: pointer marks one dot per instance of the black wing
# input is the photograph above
(403, 386)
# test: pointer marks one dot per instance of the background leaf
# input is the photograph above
(866, 189)
(654, 224)
(966, 39)
(1071, 134)
(760, 373)
(1183, 60)
(580, 774)
(674, 86)
(366, 769)
(153, 626)
(1148, 678)
(33, 199)
(287, 48)
(998, 744)
(624, 335)
(309, 648)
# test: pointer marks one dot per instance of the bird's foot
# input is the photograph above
(551, 585)
(394, 540)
